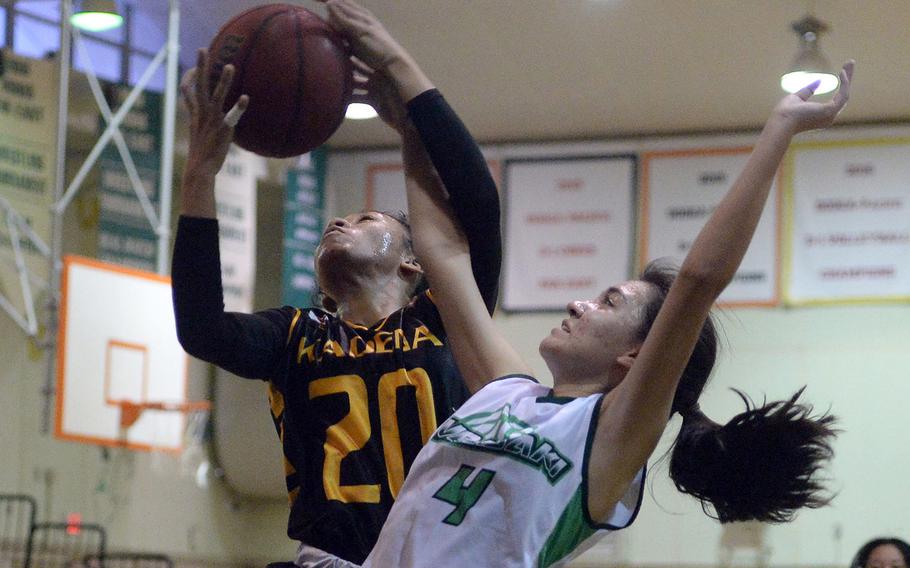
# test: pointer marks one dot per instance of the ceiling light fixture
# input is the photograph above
(809, 65)
(360, 111)
(97, 16)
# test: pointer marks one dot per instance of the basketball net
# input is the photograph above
(191, 460)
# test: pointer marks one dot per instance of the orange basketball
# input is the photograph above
(295, 69)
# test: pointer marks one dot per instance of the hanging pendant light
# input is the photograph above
(97, 16)
(360, 111)
(810, 64)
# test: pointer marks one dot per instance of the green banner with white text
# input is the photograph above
(303, 220)
(125, 235)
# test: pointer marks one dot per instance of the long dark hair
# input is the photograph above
(862, 556)
(761, 465)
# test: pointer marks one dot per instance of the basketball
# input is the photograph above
(296, 71)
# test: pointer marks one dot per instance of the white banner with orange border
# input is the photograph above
(849, 226)
(569, 228)
(680, 190)
(385, 185)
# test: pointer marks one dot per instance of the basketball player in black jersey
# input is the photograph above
(356, 391)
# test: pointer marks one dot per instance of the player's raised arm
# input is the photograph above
(445, 241)
(455, 155)
(241, 343)
(211, 132)
(481, 352)
(635, 412)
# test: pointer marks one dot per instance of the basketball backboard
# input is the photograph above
(118, 350)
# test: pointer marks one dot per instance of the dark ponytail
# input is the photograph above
(764, 463)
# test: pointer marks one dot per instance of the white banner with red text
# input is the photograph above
(569, 230)
(849, 231)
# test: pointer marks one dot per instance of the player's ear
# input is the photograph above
(410, 268)
(627, 358)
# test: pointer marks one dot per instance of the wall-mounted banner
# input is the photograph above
(235, 197)
(303, 223)
(125, 235)
(680, 191)
(385, 186)
(569, 228)
(849, 234)
(28, 128)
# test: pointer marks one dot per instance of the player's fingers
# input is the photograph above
(202, 79)
(233, 116)
(187, 89)
(352, 15)
(361, 67)
(224, 83)
(189, 78)
(843, 91)
(807, 91)
(357, 11)
(188, 82)
(338, 17)
(332, 12)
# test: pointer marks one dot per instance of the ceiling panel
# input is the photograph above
(569, 69)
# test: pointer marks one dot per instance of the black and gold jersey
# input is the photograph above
(353, 405)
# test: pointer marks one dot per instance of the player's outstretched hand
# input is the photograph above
(801, 114)
(370, 41)
(211, 129)
(376, 90)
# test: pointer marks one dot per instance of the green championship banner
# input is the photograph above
(28, 128)
(303, 212)
(125, 235)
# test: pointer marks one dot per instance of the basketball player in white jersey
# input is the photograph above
(524, 475)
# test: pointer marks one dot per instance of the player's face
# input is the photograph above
(597, 331)
(885, 556)
(366, 241)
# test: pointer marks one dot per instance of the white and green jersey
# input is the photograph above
(503, 483)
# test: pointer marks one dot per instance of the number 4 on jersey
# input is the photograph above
(455, 492)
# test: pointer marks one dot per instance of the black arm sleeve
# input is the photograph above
(249, 345)
(467, 179)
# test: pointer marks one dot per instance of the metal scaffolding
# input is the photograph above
(63, 194)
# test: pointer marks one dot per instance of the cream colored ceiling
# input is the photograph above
(561, 69)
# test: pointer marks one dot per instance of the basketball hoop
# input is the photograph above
(191, 454)
(130, 412)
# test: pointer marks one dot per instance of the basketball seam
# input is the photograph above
(249, 52)
(301, 81)
(224, 30)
